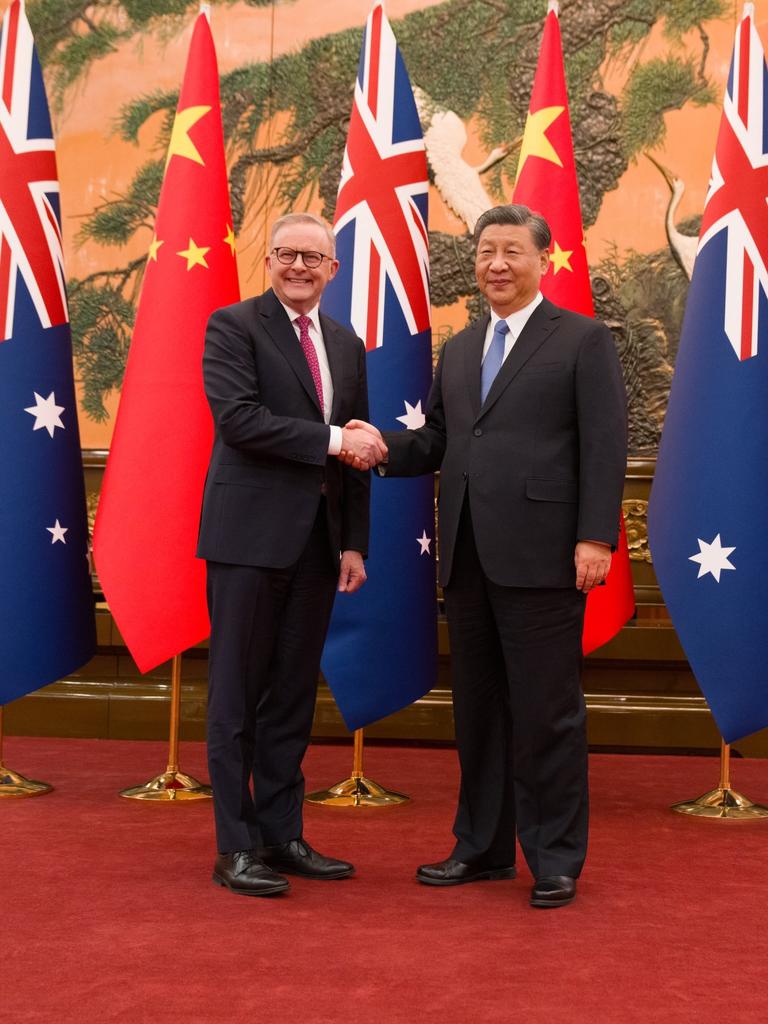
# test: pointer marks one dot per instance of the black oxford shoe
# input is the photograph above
(553, 891)
(456, 872)
(242, 872)
(298, 858)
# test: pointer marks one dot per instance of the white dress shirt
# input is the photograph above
(515, 321)
(316, 337)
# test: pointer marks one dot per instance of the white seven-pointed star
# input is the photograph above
(58, 532)
(46, 413)
(414, 417)
(712, 558)
(424, 541)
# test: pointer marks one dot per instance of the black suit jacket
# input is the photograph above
(542, 461)
(270, 460)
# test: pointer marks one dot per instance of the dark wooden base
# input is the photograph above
(640, 696)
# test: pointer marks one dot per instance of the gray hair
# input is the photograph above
(303, 218)
(518, 216)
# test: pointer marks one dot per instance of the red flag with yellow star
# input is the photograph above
(546, 182)
(147, 520)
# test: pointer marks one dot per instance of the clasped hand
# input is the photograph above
(362, 446)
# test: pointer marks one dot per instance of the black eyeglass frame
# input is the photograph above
(312, 253)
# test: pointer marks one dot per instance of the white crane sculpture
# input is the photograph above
(458, 182)
(683, 247)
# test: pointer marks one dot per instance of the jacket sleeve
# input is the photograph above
(601, 408)
(355, 512)
(232, 388)
(413, 452)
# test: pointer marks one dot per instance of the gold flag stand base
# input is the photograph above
(357, 791)
(723, 803)
(171, 784)
(13, 784)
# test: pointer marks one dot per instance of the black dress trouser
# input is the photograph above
(268, 628)
(520, 718)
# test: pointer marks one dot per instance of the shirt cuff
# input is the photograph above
(334, 441)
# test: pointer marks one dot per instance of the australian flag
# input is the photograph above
(381, 652)
(707, 515)
(46, 606)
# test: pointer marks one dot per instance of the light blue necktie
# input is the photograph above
(494, 357)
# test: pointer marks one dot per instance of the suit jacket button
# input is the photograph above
(477, 432)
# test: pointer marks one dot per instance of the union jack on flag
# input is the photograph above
(46, 601)
(30, 237)
(706, 515)
(736, 200)
(381, 651)
(383, 190)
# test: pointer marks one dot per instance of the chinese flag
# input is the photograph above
(146, 525)
(546, 182)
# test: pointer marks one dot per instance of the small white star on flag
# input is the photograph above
(414, 417)
(46, 413)
(712, 558)
(424, 541)
(57, 532)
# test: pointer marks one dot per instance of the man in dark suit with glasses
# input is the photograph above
(284, 524)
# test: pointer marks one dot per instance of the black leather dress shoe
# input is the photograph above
(456, 872)
(553, 891)
(242, 872)
(298, 858)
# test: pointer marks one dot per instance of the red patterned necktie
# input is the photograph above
(311, 355)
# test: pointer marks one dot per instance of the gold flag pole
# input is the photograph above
(171, 784)
(13, 784)
(723, 803)
(357, 791)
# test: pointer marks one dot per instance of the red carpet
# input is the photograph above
(108, 912)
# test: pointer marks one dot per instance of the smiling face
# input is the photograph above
(296, 285)
(509, 267)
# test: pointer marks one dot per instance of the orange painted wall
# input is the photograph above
(94, 163)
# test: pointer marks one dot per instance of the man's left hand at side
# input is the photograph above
(593, 561)
(352, 574)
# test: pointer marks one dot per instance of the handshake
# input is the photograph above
(362, 446)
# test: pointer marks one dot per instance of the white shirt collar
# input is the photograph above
(313, 314)
(519, 318)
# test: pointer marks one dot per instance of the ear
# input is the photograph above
(333, 267)
(544, 261)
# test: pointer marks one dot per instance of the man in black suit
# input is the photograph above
(284, 523)
(526, 422)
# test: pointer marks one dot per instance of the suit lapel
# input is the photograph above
(473, 357)
(333, 349)
(540, 325)
(283, 334)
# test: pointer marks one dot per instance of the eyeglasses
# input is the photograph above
(310, 258)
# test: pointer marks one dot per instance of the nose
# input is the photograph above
(498, 261)
(300, 256)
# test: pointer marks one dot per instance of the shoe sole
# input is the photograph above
(542, 904)
(308, 874)
(274, 891)
(483, 876)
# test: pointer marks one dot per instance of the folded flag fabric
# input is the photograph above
(46, 600)
(706, 516)
(381, 651)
